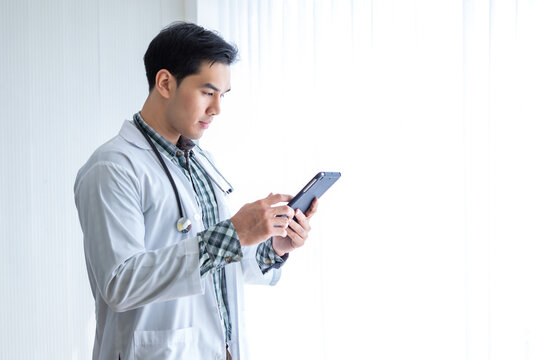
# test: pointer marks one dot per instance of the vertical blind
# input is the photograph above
(427, 246)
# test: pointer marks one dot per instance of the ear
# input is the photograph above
(165, 83)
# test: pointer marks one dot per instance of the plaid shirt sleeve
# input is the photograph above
(267, 257)
(218, 246)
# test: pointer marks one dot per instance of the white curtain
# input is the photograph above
(427, 246)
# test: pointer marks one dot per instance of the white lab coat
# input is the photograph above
(151, 302)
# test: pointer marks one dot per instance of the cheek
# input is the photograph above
(192, 106)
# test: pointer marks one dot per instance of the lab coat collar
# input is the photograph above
(132, 134)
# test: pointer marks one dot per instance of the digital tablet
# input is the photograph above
(314, 189)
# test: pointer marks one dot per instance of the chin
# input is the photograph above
(194, 136)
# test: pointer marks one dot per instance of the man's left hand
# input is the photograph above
(297, 231)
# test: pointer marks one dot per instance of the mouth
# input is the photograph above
(205, 124)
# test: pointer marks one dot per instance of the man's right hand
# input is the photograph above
(258, 221)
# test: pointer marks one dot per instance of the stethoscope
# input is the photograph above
(184, 224)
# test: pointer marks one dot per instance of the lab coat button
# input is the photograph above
(228, 259)
(197, 217)
(268, 261)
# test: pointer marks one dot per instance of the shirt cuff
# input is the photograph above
(267, 257)
(218, 246)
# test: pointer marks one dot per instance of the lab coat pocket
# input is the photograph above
(165, 344)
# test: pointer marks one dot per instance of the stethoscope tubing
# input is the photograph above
(184, 224)
(230, 187)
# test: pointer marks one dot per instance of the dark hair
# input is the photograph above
(181, 47)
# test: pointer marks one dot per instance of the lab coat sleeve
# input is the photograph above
(127, 275)
(252, 271)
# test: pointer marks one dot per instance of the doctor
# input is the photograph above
(166, 260)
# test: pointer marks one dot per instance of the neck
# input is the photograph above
(153, 113)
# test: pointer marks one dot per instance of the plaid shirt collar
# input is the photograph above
(160, 141)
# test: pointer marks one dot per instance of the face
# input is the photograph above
(192, 105)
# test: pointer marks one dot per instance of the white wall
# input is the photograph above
(70, 72)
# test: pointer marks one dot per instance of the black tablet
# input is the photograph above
(314, 189)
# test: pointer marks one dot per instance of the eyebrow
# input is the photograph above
(211, 86)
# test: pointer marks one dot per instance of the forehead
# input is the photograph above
(217, 74)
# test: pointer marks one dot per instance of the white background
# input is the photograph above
(425, 249)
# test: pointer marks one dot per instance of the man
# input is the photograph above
(166, 261)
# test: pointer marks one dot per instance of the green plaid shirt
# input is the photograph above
(218, 244)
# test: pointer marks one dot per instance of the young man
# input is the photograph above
(165, 259)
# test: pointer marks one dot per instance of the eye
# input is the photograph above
(208, 93)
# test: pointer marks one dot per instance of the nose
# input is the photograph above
(215, 107)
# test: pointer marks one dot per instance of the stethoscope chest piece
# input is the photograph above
(183, 225)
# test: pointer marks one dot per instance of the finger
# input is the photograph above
(313, 208)
(300, 217)
(298, 229)
(278, 231)
(283, 210)
(297, 240)
(280, 221)
(302, 220)
(277, 198)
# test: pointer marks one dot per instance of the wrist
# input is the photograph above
(236, 224)
(279, 252)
